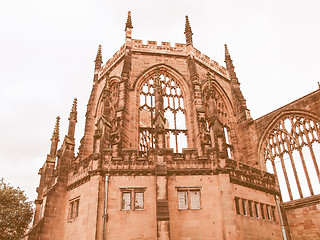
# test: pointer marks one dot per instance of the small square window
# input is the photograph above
(138, 201)
(126, 200)
(183, 199)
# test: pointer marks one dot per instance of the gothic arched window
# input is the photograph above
(292, 152)
(173, 111)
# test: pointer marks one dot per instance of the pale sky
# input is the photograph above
(47, 49)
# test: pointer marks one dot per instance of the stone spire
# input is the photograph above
(55, 139)
(73, 113)
(72, 120)
(188, 32)
(229, 64)
(240, 105)
(129, 21)
(55, 134)
(98, 61)
(128, 30)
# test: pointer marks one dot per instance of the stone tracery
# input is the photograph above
(290, 152)
(173, 112)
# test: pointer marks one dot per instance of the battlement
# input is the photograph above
(164, 48)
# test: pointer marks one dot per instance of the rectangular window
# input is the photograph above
(195, 199)
(138, 201)
(244, 207)
(250, 208)
(262, 211)
(236, 200)
(273, 211)
(183, 199)
(268, 212)
(73, 209)
(256, 209)
(126, 200)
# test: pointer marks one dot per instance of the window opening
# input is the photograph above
(244, 207)
(236, 200)
(73, 209)
(139, 200)
(250, 208)
(292, 148)
(262, 211)
(183, 199)
(268, 212)
(126, 200)
(256, 209)
(189, 198)
(173, 110)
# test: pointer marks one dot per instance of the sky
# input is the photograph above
(47, 52)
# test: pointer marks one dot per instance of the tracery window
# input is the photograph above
(291, 151)
(173, 109)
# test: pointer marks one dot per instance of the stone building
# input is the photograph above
(170, 151)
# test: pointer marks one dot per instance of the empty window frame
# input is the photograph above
(189, 199)
(291, 151)
(268, 212)
(162, 86)
(74, 208)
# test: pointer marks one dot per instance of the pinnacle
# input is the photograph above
(226, 51)
(188, 32)
(98, 60)
(129, 21)
(55, 134)
(99, 53)
(73, 113)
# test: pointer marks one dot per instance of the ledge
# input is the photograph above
(303, 202)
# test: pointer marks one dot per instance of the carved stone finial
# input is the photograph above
(73, 113)
(129, 21)
(226, 51)
(98, 60)
(188, 32)
(55, 134)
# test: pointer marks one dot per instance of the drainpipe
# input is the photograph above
(283, 229)
(105, 215)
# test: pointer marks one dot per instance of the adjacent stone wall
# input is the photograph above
(304, 218)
